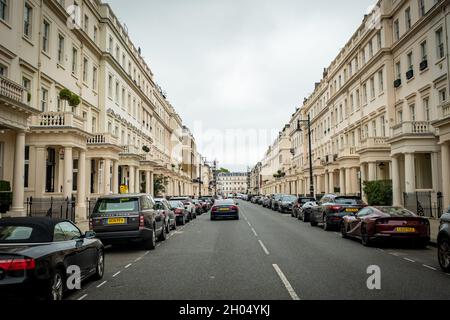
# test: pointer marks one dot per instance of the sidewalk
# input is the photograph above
(434, 229)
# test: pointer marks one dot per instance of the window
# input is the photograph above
(408, 18)
(423, 50)
(442, 95)
(118, 53)
(69, 230)
(4, 10)
(117, 91)
(3, 70)
(86, 24)
(357, 99)
(422, 7)
(94, 125)
(50, 170)
(59, 107)
(44, 99)
(110, 86)
(74, 61)
(383, 126)
(27, 166)
(352, 103)
(45, 36)
(399, 116)
(370, 49)
(123, 98)
(380, 81)
(27, 20)
(95, 34)
(94, 78)
(85, 70)
(110, 45)
(372, 88)
(410, 61)
(364, 93)
(374, 128)
(75, 174)
(426, 108)
(60, 49)
(398, 70)
(412, 112)
(440, 44)
(379, 40)
(396, 30)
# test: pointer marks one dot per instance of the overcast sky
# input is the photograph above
(233, 65)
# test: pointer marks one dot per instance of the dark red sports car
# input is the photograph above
(377, 223)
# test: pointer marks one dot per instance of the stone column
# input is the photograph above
(68, 172)
(147, 182)
(331, 181)
(348, 181)
(372, 171)
(318, 184)
(435, 171)
(131, 177)
(88, 176)
(445, 159)
(397, 201)
(137, 187)
(355, 180)
(363, 178)
(17, 207)
(342, 181)
(81, 186)
(40, 172)
(152, 188)
(115, 179)
(410, 173)
(107, 176)
(327, 183)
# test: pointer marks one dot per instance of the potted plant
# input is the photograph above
(74, 100)
(65, 94)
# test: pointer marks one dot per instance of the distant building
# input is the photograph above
(233, 182)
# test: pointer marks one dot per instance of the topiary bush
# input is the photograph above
(74, 100)
(65, 94)
(378, 193)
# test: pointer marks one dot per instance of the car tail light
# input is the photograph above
(234, 208)
(90, 224)
(141, 221)
(336, 208)
(214, 209)
(177, 211)
(17, 264)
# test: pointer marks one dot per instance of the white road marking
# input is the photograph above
(146, 253)
(410, 260)
(158, 245)
(137, 259)
(393, 254)
(128, 265)
(264, 247)
(116, 274)
(101, 284)
(82, 297)
(286, 283)
(429, 267)
(254, 232)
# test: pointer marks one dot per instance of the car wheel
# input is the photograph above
(213, 218)
(56, 286)
(306, 217)
(365, 239)
(162, 235)
(237, 217)
(100, 268)
(444, 254)
(313, 223)
(326, 226)
(343, 231)
(150, 243)
(168, 228)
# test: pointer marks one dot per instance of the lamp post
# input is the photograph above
(311, 177)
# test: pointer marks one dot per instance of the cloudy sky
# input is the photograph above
(235, 70)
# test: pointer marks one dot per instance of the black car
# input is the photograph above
(128, 218)
(443, 242)
(275, 201)
(331, 208)
(297, 207)
(35, 254)
(286, 203)
(181, 214)
(224, 209)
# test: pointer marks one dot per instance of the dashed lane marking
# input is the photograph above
(429, 267)
(264, 247)
(254, 232)
(101, 284)
(286, 283)
(410, 260)
(82, 297)
(116, 274)
(128, 265)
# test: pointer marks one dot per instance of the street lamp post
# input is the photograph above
(311, 177)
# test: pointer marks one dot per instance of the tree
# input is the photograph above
(224, 170)
(378, 193)
(159, 185)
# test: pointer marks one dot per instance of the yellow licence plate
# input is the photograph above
(116, 221)
(224, 209)
(351, 210)
(405, 230)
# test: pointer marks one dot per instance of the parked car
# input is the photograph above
(181, 214)
(443, 242)
(286, 203)
(164, 205)
(198, 207)
(225, 209)
(188, 205)
(36, 252)
(332, 208)
(266, 202)
(298, 204)
(305, 211)
(128, 218)
(206, 203)
(275, 201)
(383, 223)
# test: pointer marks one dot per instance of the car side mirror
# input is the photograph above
(237, 203)
(89, 235)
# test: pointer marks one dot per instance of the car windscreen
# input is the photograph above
(349, 201)
(288, 198)
(224, 203)
(305, 200)
(117, 205)
(176, 204)
(20, 234)
(397, 212)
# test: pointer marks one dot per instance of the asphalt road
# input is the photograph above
(264, 256)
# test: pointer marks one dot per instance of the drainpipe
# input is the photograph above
(39, 65)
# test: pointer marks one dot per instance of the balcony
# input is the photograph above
(444, 110)
(12, 91)
(413, 128)
(103, 139)
(63, 120)
(131, 150)
(347, 151)
(373, 143)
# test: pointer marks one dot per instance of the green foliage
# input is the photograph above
(223, 170)
(74, 100)
(378, 193)
(159, 185)
(65, 94)
(5, 185)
